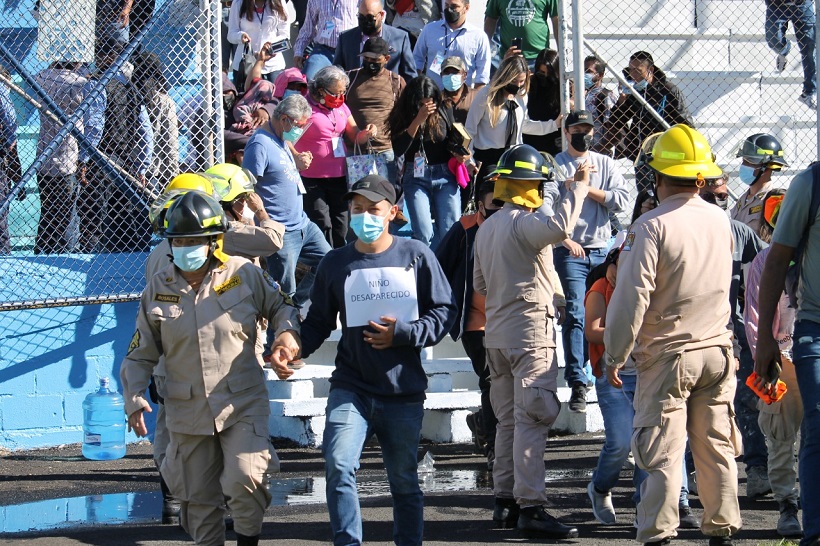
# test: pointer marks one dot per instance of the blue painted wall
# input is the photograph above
(50, 359)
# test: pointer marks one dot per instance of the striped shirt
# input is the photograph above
(324, 21)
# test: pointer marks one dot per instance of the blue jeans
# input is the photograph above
(437, 189)
(802, 17)
(320, 57)
(307, 246)
(351, 419)
(573, 273)
(807, 367)
(618, 413)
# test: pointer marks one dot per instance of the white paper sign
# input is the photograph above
(374, 293)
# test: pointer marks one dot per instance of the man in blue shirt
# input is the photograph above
(393, 299)
(453, 36)
(279, 185)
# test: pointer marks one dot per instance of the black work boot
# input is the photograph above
(720, 541)
(535, 521)
(505, 514)
(170, 506)
(242, 540)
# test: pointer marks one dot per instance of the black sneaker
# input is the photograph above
(170, 511)
(688, 519)
(536, 521)
(578, 400)
(720, 541)
(505, 514)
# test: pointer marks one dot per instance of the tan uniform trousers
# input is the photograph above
(689, 393)
(522, 392)
(203, 471)
(780, 422)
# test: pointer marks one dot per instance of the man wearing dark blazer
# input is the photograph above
(371, 23)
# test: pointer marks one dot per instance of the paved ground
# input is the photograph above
(450, 517)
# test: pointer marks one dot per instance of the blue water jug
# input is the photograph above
(103, 424)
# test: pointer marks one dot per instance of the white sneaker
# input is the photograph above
(809, 100)
(602, 507)
(780, 63)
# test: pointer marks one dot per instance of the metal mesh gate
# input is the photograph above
(723, 58)
(107, 101)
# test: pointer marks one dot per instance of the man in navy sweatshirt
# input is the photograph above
(393, 300)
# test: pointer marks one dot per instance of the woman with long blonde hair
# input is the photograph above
(490, 123)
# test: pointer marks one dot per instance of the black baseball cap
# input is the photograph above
(373, 187)
(578, 117)
(375, 46)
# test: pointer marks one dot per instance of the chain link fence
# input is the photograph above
(108, 100)
(724, 65)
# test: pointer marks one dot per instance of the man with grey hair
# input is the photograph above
(269, 158)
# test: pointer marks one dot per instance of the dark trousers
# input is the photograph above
(58, 229)
(473, 343)
(325, 205)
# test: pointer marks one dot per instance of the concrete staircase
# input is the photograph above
(298, 403)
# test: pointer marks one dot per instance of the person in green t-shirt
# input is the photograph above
(523, 19)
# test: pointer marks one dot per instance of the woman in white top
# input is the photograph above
(255, 22)
(488, 122)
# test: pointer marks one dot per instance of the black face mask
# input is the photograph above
(372, 67)
(722, 202)
(512, 88)
(580, 141)
(489, 212)
(451, 15)
(368, 25)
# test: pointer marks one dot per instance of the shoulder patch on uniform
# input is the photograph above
(630, 238)
(167, 298)
(233, 282)
(756, 210)
(135, 342)
(269, 280)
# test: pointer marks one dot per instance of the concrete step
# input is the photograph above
(445, 416)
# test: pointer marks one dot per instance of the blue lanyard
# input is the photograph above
(457, 33)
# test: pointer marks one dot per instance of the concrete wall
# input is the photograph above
(50, 359)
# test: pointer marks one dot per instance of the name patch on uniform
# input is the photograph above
(167, 298)
(630, 238)
(233, 282)
(135, 342)
(756, 210)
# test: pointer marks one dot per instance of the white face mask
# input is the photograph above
(248, 215)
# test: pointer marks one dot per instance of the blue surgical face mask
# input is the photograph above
(452, 82)
(625, 90)
(747, 174)
(641, 85)
(289, 92)
(367, 227)
(293, 134)
(588, 82)
(190, 258)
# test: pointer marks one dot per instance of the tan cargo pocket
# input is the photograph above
(540, 405)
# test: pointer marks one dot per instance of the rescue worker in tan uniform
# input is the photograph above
(761, 155)
(233, 187)
(672, 296)
(200, 314)
(513, 264)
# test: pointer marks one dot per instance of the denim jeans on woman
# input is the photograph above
(435, 195)
(351, 420)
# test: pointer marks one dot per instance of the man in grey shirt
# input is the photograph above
(588, 246)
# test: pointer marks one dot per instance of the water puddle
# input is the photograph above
(118, 508)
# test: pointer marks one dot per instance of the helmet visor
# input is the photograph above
(645, 153)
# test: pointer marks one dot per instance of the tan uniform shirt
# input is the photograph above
(674, 273)
(749, 208)
(250, 242)
(213, 378)
(513, 268)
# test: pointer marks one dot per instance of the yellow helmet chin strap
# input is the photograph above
(525, 193)
(219, 254)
